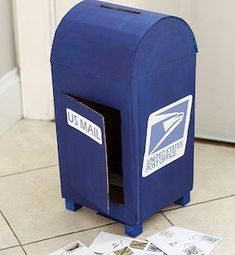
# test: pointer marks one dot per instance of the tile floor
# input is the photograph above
(32, 215)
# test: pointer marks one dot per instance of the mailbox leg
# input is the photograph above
(133, 231)
(72, 206)
(184, 200)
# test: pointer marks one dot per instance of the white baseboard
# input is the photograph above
(10, 100)
(222, 134)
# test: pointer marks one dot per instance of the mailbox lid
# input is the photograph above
(104, 40)
(101, 41)
(167, 41)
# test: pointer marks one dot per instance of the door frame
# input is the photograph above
(35, 23)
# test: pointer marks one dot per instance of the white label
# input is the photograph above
(167, 132)
(84, 125)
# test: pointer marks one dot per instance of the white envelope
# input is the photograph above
(205, 242)
(111, 244)
(106, 243)
(179, 241)
(76, 248)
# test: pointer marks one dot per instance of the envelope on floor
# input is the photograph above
(181, 241)
(76, 248)
(205, 242)
(111, 244)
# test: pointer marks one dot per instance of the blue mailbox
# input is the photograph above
(124, 86)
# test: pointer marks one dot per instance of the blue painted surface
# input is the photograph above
(133, 231)
(70, 205)
(184, 200)
(136, 63)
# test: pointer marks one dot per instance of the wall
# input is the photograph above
(7, 50)
(34, 25)
(10, 92)
(214, 26)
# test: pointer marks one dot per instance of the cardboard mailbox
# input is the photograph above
(124, 83)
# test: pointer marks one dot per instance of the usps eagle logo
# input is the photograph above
(167, 132)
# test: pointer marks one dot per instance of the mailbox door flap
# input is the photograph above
(86, 156)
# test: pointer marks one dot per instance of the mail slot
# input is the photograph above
(124, 86)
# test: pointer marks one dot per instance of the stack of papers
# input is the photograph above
(172, 241)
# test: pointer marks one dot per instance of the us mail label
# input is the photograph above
(84, 125)
(167, 132)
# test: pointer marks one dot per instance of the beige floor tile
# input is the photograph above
(12, 251)
(45, 247)
(156, 223)
(32, 204)
(7, 238)
(215, 218)
(29, 144)
(214, 172)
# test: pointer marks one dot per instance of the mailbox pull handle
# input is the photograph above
(119, 9)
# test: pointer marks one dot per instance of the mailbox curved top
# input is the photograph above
(121, 43)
